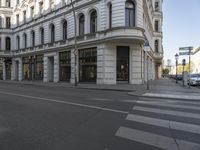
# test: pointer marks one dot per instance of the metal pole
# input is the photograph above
(189, 64)
(176, 72)
(147, 74)
(183, 77)
(75, 45)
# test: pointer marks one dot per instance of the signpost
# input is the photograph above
(147, 48)
(186, 51)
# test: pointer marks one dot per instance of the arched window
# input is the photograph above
(65, 30)
(93, 21)
(156, 46)
(18, 42)
(33, 38)
(8, 43)
(52, 28)
(7, 3)
(130, 14)
(25, 40)
(110, 15)
(81, 25)
(41, 36)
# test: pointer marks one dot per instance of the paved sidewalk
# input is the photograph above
(163, 88)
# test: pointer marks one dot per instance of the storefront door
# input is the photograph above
(122, 63)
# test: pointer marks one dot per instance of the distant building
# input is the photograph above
(196, 60)
(37, 40)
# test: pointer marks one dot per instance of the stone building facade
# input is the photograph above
(37, 40)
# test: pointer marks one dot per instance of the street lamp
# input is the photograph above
(176, 58)
(75, 45)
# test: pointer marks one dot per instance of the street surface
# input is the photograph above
(55, 118)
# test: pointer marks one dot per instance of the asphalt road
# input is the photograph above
(54, 118)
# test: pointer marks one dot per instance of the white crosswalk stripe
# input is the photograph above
(155, 139)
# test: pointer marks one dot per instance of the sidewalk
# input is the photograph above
(162, 88)
(167, 88)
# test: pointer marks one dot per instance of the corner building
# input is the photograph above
(37, 40)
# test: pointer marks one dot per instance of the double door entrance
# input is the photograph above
(123, 63)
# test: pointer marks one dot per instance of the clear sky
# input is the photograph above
(181, 26)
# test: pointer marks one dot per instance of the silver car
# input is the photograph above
(195, 79)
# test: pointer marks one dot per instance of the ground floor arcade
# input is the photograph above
(102, 64)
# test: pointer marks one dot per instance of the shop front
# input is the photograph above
(88, 65)
(8, 66)
(65, 65)
(33, 67)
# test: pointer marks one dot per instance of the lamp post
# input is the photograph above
(75, 45)
(176, 58)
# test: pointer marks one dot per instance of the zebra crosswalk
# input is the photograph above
(185, 133)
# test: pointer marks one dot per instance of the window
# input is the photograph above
(32, 12)
(156, 6)
(65, 30)
(17, 19)
(17, 1)
(1, 22)
(110, 16)
(156, 46)
(52, 27)
(7, 3)
(41, 36)
(41, 8)
(24, 16)
(93, 22)
(25, 40)
(8, 24)
(81, 25)
(18, 43)
(156, 25)
(33, 38)
(130, 14)
(8, 44)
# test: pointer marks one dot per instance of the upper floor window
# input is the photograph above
(24, 16)
(41, 36)
(8, 43)
(52, 28)
(65, 30)
(93, 21)
(8, 23)
(32, 12)
(17, 19)
(156, 46)
(18, 43)
(81, 25)
(7, 3)
(130, 14)
(17, 1)
(156, 25)
(1, 22)
(25, 40)
(41, 7)
(32, 38)
(110, 15)
(156, 6)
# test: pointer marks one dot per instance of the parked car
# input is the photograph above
(179, 77)
(194, 79)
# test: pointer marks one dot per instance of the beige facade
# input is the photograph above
(39, 44)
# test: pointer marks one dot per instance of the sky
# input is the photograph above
(181, 26)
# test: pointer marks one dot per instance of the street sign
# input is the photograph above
(185, 48)
(147, 48)
(186, 53)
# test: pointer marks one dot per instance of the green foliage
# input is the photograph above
(165, 71)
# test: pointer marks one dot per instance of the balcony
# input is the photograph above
(158, 56)
(5, 30)
(125, 34)
(6, 53)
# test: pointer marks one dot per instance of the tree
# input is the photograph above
(165, 71)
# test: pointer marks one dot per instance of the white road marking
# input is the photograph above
(192, 97)
(168, 112)
(169, 105)
(155, 140)
(165, 123)
(66, 102)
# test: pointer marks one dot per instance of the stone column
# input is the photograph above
(56, 68)
(45, 69)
